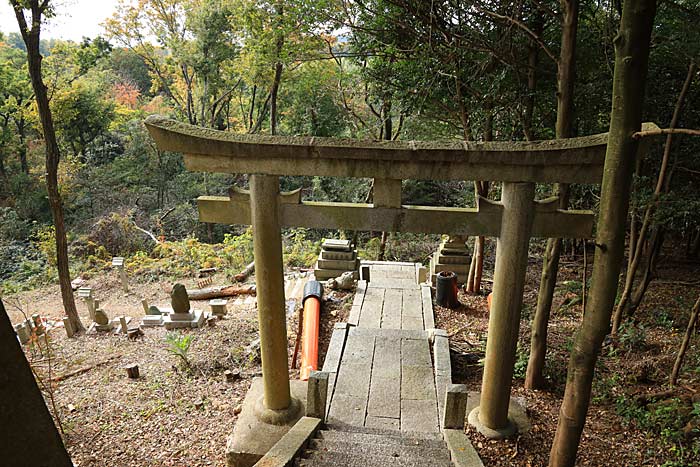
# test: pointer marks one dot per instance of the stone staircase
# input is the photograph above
(354, 446)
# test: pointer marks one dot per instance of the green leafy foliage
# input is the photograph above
(179, 345)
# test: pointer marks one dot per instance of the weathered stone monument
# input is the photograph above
(102, 322)
(336, 258)
(181, 315)
(452, 255)
(218, 307)
(23, 332)
(86, 294)
(118, 262)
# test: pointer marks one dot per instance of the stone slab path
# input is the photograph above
(380, 364)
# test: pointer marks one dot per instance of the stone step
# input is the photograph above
(338, 264)
(370, 438)
(453, 259)
(323, 274)
(360, 459)
(378, 449)
(456, 268)
(344, 427)
(338, 255)
(336, 244)
(453, 252)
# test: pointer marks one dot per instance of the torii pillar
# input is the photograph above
(272, 404)
(491, 417)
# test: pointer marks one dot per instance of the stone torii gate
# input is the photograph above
(513, 220)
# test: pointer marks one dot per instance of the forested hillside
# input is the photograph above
(384, 70)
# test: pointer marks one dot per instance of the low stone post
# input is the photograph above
(118, 262)
(267, 246)
(504, 320)
(317, 394)
(68, 327)
(86, 294)
(124, 325)
(455, 407)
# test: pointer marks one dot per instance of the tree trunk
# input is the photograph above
(274, 90)
(631, 60)
(382, 247)
(532, 59)
(534, 378)
(273, 98)
(481, 188)
(636, 250)
(695, 249)
(22, 130)
(684, 345)
(654, 250)
(31, 39)
(29, 435)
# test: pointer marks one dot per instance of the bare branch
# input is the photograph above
(666, 131)
(522, 26)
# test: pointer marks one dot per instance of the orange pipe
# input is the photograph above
(309, 340)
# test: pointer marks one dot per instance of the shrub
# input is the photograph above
(118, 235)
(12, 227)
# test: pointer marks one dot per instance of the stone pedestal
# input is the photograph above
(194, 319)
(23, 332)
(452, 255)
(218, 307)
(152, 320)
(253, 438)
(337, 257)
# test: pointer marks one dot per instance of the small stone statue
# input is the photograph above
(101, 317)
(179, 300)
(346, 281)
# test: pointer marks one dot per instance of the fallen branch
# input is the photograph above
(152, 237)
(243, 275)
(220, 292)
(666, 131)
(684, 345)
(84, 369)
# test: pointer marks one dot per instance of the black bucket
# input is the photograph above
(446, 289)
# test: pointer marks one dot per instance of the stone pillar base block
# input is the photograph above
(278, 417)
(518, 421)
(252, 437)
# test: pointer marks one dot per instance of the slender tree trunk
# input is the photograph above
(481, 188)
(273, 98)
(684, 345)
(631, 61)
(656, 241)
(279, 11)
(695, 249)
(532, 59)
(387, 130)
(534, 377)
(31, 40)
(3, 171)
(636, 251)
(22, 130)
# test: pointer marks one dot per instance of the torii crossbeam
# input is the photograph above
(516, 218)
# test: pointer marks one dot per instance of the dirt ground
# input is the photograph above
(622, 370)
(173, 415)
(180, 415)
